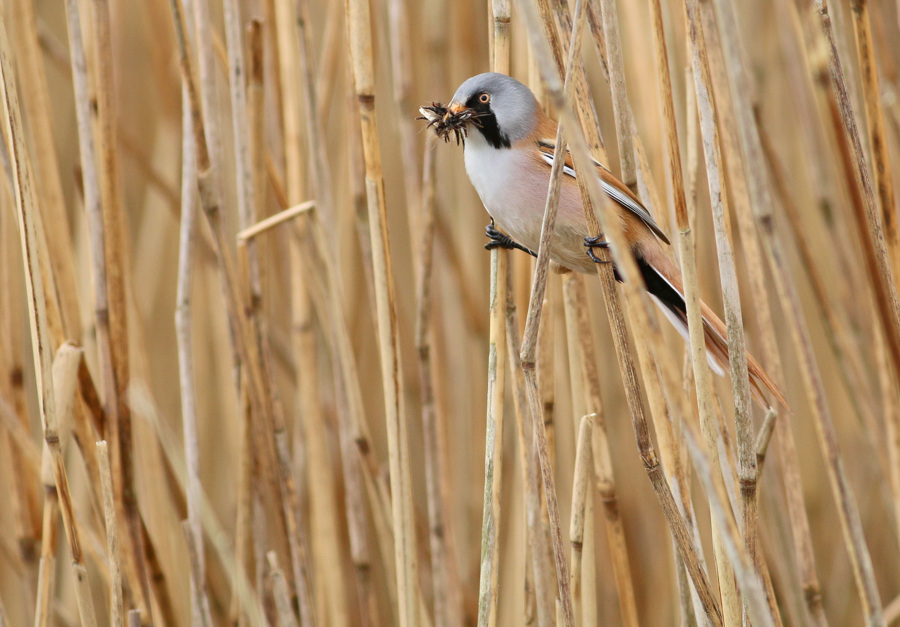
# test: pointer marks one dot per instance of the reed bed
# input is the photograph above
(252, 348)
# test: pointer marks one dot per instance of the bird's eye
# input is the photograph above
(484, 98)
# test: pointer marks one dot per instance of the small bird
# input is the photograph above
(509, 145)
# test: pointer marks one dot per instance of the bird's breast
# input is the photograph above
(512, 186)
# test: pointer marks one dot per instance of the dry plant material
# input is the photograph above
(444, 122)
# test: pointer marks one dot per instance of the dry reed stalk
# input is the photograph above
(134, 618)
(623, 117)
(580, 490)
(499, 12)
(202, 619)
(272, 221)
(323, 504)
(184, 338)
(709, 122)
(540, 574)
(881, 162)
(355, 440)
(111, 228)
(270, 430)
(24, 460)
(63, 378)
(360, 41)
(143, 406)
(748, 144)
(27, 215)
(576, 301)
(117, 609)
(493, 460)
(630, 155)
(36, 106)
(595, 198)
(745, 573)
(401, 78)
(851, 525)
(865, 209)
(702, 377)
(762, 206)
(280, 591)
(533, 320)
(447, 595)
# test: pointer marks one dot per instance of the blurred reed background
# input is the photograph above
(229, 251)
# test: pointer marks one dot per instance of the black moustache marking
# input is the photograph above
(487, 123)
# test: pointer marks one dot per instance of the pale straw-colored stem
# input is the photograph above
(117, 609)
(360, 40)
(740, 384)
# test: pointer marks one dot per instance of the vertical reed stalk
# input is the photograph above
(762, 204)
(360, 40)
(702, 377)
(746, 460)
(117, 610)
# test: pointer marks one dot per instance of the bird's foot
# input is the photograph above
(595, 242)
(502, 240)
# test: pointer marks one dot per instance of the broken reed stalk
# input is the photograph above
(117, 608)
(722, 512)
(113, 234)
(580, 489)
(281, 593)
(493, 455)
(360, 41)
(576, 304)
(762, 203)
(26, 211)
(139, 399)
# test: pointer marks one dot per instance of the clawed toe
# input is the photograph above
(595, 242)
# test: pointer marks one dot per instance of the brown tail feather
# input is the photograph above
(717, 345)
(663, 280)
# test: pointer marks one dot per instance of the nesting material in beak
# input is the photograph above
(445, 120)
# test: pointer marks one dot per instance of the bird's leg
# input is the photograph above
(595, 242)
(502, 240)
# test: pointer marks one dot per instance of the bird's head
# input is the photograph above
(502, 109)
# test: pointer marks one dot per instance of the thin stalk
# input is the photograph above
(447, 595)
(594, 198)
(117, 616)
(702, 377)
(865, 209)
(112, 232)
(490, 527)
(360, 41)
(580, 490)
(740, 384)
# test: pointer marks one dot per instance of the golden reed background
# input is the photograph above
(309, 483)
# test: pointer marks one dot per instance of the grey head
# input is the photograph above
(505, 108)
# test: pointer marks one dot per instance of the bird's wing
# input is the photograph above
(613, 187)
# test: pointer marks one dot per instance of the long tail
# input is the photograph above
(667, 291)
